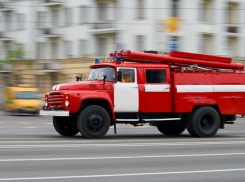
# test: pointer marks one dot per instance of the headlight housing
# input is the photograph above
(46, 100)
(67, 103)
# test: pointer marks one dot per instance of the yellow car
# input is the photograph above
(22, 100)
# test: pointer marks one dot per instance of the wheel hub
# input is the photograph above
(206, 123)
(95, 122)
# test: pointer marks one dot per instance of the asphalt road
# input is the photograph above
(30, 150)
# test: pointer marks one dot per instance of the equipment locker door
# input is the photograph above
(126, 93)
(157, 96)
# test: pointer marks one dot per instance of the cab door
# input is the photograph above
(157, 91)
(126, 93)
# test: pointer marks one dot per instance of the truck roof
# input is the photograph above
(181, 59)
(129, 65)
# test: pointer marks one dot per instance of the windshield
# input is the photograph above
(26, 95)
(97, 74)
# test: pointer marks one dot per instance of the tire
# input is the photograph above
(192, 132)
(205, 122)
(93, 122)
(170, 128)
(64, 127)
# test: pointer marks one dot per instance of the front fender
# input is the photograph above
(79, 96)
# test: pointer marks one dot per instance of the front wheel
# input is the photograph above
(93, 122)
(64, 127)
(170, 128)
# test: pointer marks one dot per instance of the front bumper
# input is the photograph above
(53, 113)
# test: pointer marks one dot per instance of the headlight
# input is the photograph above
(67, 103)
(46, 103)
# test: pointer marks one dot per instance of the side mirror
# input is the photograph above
(104, 78)
(78, 78)
(119, 76)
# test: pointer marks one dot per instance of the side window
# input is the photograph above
(128, 75)
(155, 76)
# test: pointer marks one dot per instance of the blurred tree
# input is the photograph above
(17, 53)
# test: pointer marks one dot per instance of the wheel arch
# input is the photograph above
(215, 106)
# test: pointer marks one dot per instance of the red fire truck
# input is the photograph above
(200, 93)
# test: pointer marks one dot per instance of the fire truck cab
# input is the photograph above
(173, 92)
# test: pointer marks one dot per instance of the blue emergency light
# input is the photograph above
(97, 61)
(118, 60)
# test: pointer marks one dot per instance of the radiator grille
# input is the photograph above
(55, 100)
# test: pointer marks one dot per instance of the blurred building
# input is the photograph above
(61, 35)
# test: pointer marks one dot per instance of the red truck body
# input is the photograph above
(163, 88)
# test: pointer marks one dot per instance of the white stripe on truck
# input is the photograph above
(229, 88)
(157, 88)
(210, 88)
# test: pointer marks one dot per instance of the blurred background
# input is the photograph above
(47, 42)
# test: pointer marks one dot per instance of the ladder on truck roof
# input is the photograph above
(177, 58)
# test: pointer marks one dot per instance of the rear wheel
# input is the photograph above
(64, 127)
(205, 122)
(192, 133)
(93, 122)
(170, 128)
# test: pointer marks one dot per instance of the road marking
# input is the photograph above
(80, 140)
(231, 131)
(122, 175)
(75, 142)
(29, 127)
(22, 122)
(124, 144)
(28, 139)
(71, 141)
(2, 122)
(120, 157)
(155, 132)
(47, 123)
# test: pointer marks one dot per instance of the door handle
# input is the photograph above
(135, 87)
(166, 88)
